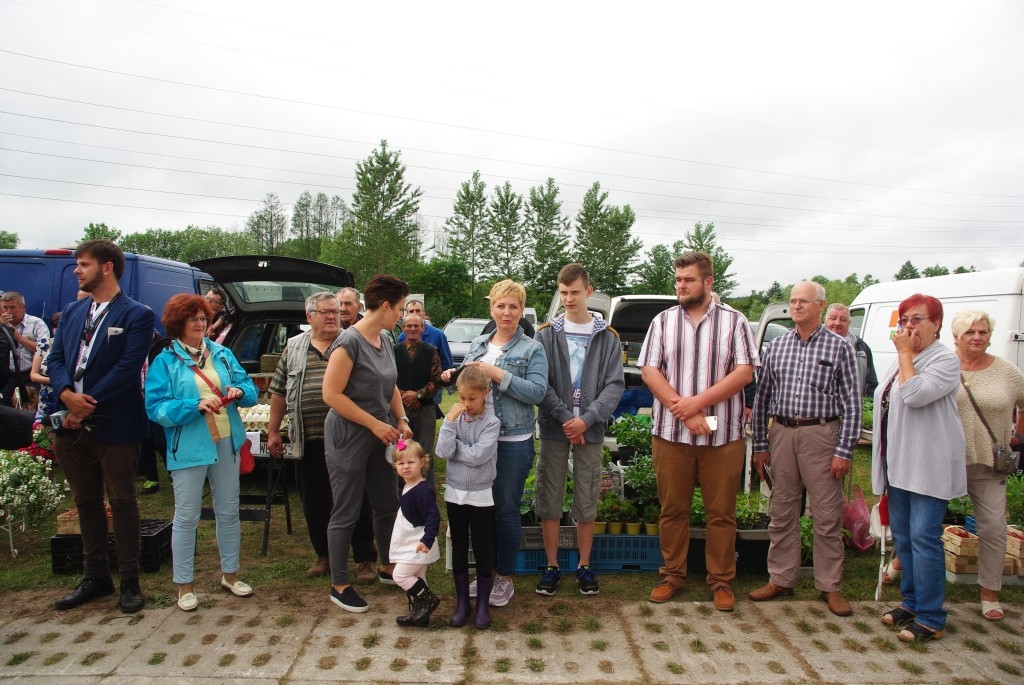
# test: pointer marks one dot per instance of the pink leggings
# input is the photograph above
(406, 574)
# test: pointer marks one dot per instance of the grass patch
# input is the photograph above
(284, 620)
(645, 610)
(274, 640)
(371, 640)
(910, 667)
(114, 637)
(760, 647)
(599, 645)
(564, 625)
(327, 662)
(398, 665)
(403, 643)
(190, 660)
(92, 657)
(55, 658)
(863, 627)
(726, 647)
(816, 612)
(917, 646)
(226, 660)
(605, 666)
(884, 644)
(14, 637)
(502, 665)
(19, 658)
(560, 608)
(833, 627)
(591, 624)
(83, 637)
(1007, 628)
(336, 641)
(975, 645)
(533, 628)
(653, 628)
(157, 658)
(776, 668)
(674, 668)
(660, 645)
(821, 646)
(252, 623)
(804, 627)
(854, 645)
(535, 665)
(1008, 668)
(677, 611)
(535, 643)
(434, 664)
(973, 625)
(261, 659)
(704, 610)
(1010, 647)
(175, 638)
(362, 663)
(698, 647)
(48, 637)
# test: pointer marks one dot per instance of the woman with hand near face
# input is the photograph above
(918, 458)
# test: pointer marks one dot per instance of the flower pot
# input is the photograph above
(615, 527)
(633, 528)
(600, 527)
(651, 528)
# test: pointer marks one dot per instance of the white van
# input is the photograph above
(999, 292)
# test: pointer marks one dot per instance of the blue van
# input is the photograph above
(47, 279)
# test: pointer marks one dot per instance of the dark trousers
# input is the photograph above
(90, 466)
(314, 486)
(466, 522)
(155, 444)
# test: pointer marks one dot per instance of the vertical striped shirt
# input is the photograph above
(809, 379)
(693, 356)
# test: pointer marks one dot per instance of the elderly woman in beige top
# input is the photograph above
(997, 387)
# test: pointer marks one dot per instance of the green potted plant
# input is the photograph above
(608, 510)
(629, 518)
(633, 434)
(751, 516)
(698, 516)
(652, 512)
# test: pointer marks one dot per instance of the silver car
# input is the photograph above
(460, 333)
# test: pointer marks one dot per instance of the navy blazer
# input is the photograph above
(113, 376)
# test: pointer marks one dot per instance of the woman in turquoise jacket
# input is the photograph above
(193, 389)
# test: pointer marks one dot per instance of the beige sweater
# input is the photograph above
(996, 390)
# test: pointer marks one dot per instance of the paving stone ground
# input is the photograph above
(302, 638)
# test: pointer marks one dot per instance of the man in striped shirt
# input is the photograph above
(808, 384)
(696, 359)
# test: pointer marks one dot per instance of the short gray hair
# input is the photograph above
(314, 300)
(963, 320)
(12, 296)
(349, 291)
(819, 290)
(839, 306)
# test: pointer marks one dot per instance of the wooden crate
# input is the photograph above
(1014, 542)
(68, 524)
(961, 564)
(959, 542)
(1009, 565)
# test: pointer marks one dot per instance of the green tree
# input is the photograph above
(936, 270)
(548, 228)
(603, 242)
(964, 269)
(302, 227)
(703, 239)
(504, 252)
(907, 272)
(447, 284)
(189, 244)
(384, 234)
(268, 225)
(101, 232)
(655, 275)
(8, 240)
(467, 227)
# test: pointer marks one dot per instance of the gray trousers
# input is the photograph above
(988, 494)
(355, 459)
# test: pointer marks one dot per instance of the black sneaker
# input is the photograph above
(587, 580)
(549, 578)
(386, 578)
(349, 600)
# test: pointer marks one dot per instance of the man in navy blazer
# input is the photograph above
(95, 366)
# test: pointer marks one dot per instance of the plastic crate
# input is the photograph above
(971, 525)
(66, 550)
(534, 560)
(533, 538)
(618, 553)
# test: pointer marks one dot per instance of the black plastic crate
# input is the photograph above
(66, 550)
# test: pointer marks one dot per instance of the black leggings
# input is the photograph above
(477, 523)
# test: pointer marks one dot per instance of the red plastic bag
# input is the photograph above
(246, 462)
(856, 522)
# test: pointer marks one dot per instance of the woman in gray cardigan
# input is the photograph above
(918, 458)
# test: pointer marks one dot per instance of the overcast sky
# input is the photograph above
(819, 137)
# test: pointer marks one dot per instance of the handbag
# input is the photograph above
(857, 521)
(1004, 460)
(246, 462)
(876, 528)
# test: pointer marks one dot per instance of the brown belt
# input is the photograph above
(796, 423)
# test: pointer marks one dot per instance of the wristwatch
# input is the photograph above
(419, 395)
(404, 418)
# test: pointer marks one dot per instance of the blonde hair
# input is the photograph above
(508, 288)
(473, 378)
(413, 449)
(963, 320)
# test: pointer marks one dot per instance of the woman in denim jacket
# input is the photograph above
(518, 371)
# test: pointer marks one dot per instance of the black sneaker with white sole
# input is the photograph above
(549, 578)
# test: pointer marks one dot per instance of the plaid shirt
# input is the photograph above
(808, 379)
(693, 356)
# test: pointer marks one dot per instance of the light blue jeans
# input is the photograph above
(188, 500)
(916, 522)
(514, 462)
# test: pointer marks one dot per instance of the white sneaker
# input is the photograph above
(472, 590)
(501, 592)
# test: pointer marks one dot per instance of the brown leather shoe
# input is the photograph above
(837, 604)
(663, 592)
(367, 572)
(322, 567)
(769, 592)
(723, 597)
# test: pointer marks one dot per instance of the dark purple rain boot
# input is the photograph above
(461, 614)
(482, 618)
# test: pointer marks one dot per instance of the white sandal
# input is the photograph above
(988, 608)
(891, 576)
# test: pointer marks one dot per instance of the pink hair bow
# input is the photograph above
(400, 445)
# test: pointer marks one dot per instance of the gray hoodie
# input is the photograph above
(471, 448)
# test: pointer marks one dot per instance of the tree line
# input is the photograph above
(491, 234)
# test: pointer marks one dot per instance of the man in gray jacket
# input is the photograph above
(585, 383)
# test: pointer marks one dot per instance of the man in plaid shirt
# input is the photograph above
(808, 385)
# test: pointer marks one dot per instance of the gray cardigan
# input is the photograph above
(471, 450)
(602, 384)
(926, 448)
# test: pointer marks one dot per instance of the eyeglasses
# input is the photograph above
(198, 319)
(916, 320)
(327, 312)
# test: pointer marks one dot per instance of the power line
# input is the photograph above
(139, 190)
(110, 204)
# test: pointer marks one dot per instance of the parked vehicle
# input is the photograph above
(460, 333)
(47, 279)
(530, 314)
(266, 298)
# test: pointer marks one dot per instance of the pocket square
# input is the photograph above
(113, 330)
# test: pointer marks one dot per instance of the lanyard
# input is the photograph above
(92, 324)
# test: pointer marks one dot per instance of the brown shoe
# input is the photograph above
(837, 604)
(322, 567)
(723, 597)
(769, 592)
(663, 592)
(367, 572)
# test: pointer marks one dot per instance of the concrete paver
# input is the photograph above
(303, 638)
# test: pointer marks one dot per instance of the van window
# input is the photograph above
(857, 321)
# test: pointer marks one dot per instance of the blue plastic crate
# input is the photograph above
(971, 525)
(618, 553)
(534, 560)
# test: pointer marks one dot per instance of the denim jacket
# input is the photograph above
(523, 384)
(172, 400)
